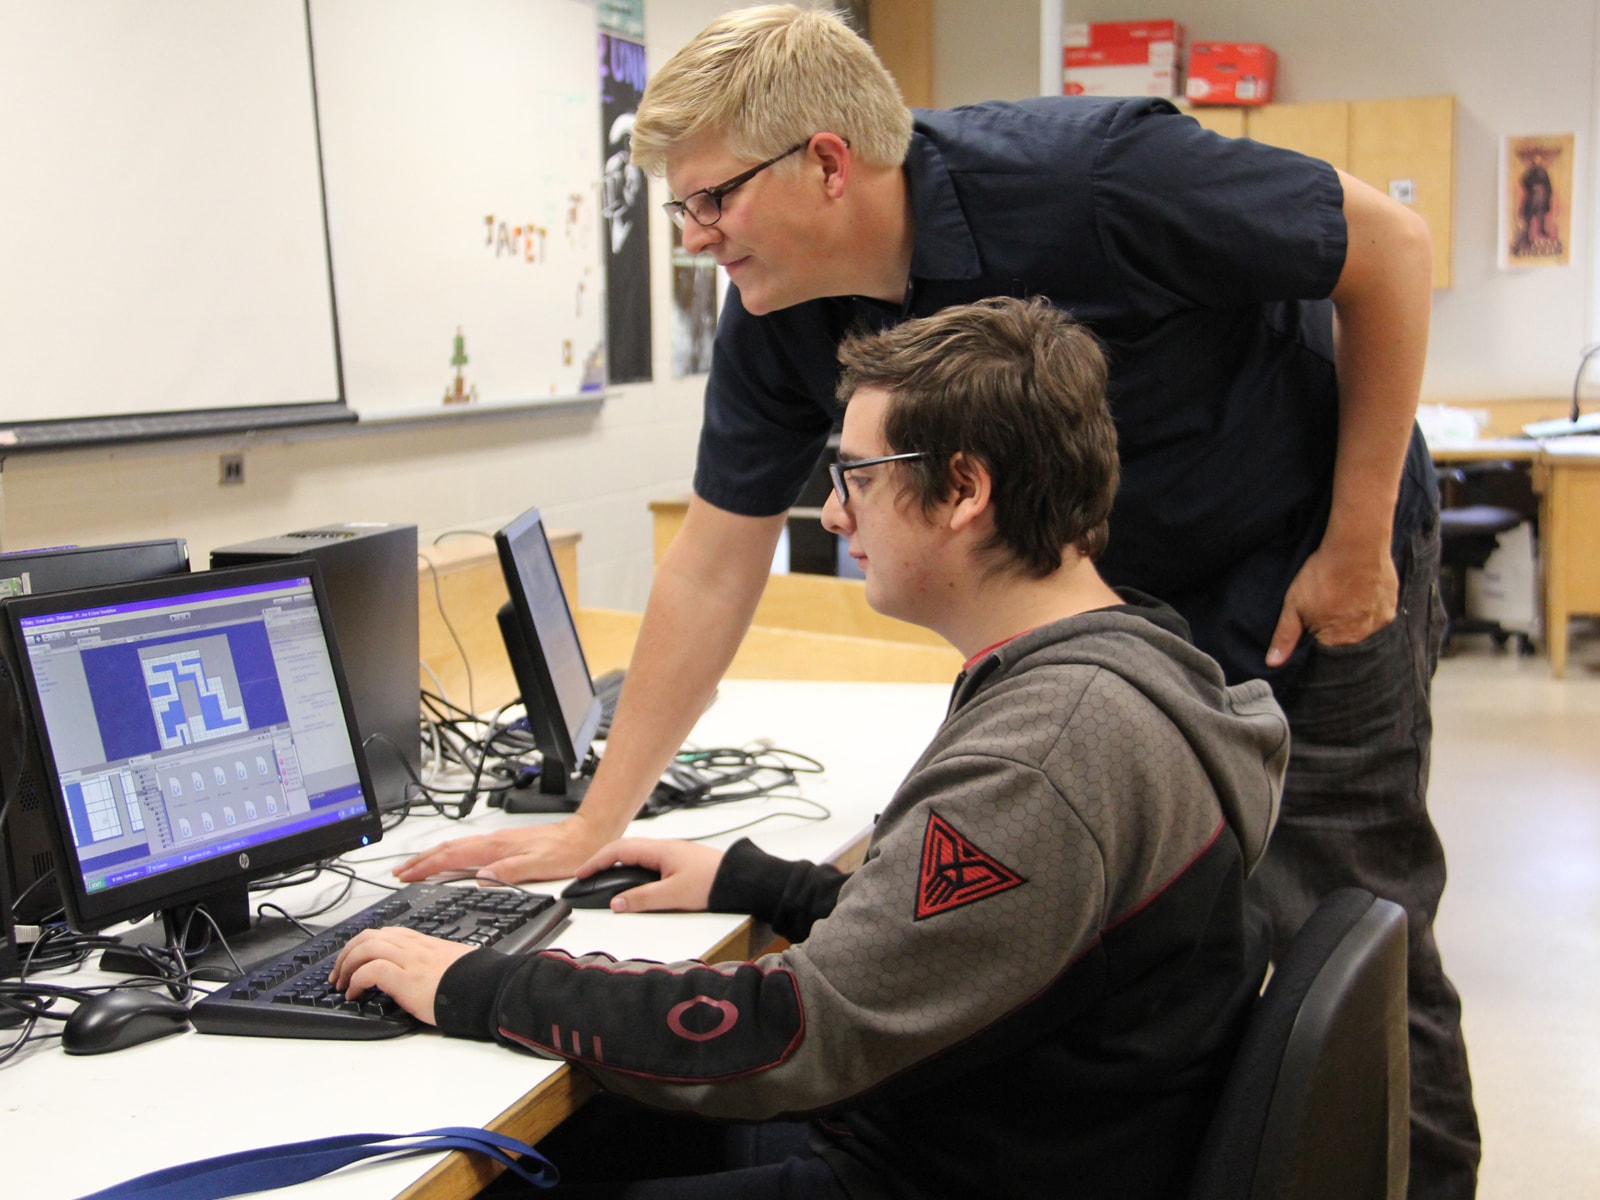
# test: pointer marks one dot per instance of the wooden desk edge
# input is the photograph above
(460, 1176)
(1491, 451)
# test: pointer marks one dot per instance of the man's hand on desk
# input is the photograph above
(523, 855)
(686, 869)
(402, 962)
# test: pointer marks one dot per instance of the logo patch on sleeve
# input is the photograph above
(955, 872)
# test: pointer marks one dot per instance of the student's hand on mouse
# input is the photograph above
(522, 855)
(402, 962)
(686, 869)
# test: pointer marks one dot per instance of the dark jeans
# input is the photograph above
(1355, 813)
(612, 1150)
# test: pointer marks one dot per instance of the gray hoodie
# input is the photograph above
(1043, 962)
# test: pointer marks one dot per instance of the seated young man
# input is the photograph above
(1043, 963)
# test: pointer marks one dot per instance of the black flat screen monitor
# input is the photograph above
(56, 568)
(196, 734)
(27, 866)
(547, 659)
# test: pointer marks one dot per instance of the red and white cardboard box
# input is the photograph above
(1086, 35)
(1230, 73)
(1121, 58)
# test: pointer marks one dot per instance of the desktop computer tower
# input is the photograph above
(8, 941)
(370, 571)
(27, 863)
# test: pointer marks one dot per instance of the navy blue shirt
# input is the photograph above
(1203, 264)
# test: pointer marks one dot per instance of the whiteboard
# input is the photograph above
(219, 215)
(462, 148)
(161, 232)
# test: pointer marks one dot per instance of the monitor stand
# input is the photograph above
(250, 942)
(664, 797)
(564, 797)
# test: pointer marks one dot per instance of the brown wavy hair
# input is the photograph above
(1018, 385)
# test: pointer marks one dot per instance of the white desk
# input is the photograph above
(76, 1124)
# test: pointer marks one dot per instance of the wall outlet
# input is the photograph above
(231, 470)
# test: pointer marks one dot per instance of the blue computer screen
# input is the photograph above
(191, 726)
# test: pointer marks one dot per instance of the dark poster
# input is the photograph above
(624, 209)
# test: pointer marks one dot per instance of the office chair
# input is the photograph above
(1316, 1105)
(1481, 501)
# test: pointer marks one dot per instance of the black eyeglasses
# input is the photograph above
(705, 206)
(836, 470)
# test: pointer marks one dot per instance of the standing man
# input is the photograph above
(1036, 980)
(1266, 322)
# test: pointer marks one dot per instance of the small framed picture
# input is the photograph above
(1536, 201)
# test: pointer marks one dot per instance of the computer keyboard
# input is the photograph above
(1588, 423)
(607, 687)
(289, 995)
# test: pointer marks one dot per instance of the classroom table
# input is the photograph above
(77, 1124)
(1568, 480)
(1566, 475)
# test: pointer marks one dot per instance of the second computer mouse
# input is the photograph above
(122, 1018)
(595, 891)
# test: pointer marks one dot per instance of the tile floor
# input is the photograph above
(1515, 794)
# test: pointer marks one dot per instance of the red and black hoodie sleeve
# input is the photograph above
(686, 1022)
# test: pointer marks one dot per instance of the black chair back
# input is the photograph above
(1316, 1106)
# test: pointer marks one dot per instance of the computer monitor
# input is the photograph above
(196, 735)
(27, 864)
(547, 659)
(370, 570)
(56, 568)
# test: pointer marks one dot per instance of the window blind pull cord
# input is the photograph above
(268, 1167)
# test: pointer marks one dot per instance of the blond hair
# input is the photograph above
(765, 78)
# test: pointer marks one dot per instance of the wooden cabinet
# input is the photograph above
(1403, 147)
(901, 32)
(1320, 130)
(1411, 142)
(1229, 122)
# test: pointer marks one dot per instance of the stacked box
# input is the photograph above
(1230, 73)
(1121, 58)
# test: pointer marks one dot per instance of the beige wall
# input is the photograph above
(1514, 69)
(593, 472)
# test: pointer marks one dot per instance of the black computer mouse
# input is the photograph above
(123, 1018)
(595, 891)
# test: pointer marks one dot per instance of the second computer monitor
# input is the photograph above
(547, 659)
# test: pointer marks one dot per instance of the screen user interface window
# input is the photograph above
(187, 728)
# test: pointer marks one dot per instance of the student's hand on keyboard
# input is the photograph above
(402, 962)
(686, 870)
(523, 855)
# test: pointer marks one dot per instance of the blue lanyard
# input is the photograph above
(295, 1162)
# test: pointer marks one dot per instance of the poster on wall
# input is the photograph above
(1536, 202)
(625, 210)
(694, 308)
(625, 18)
